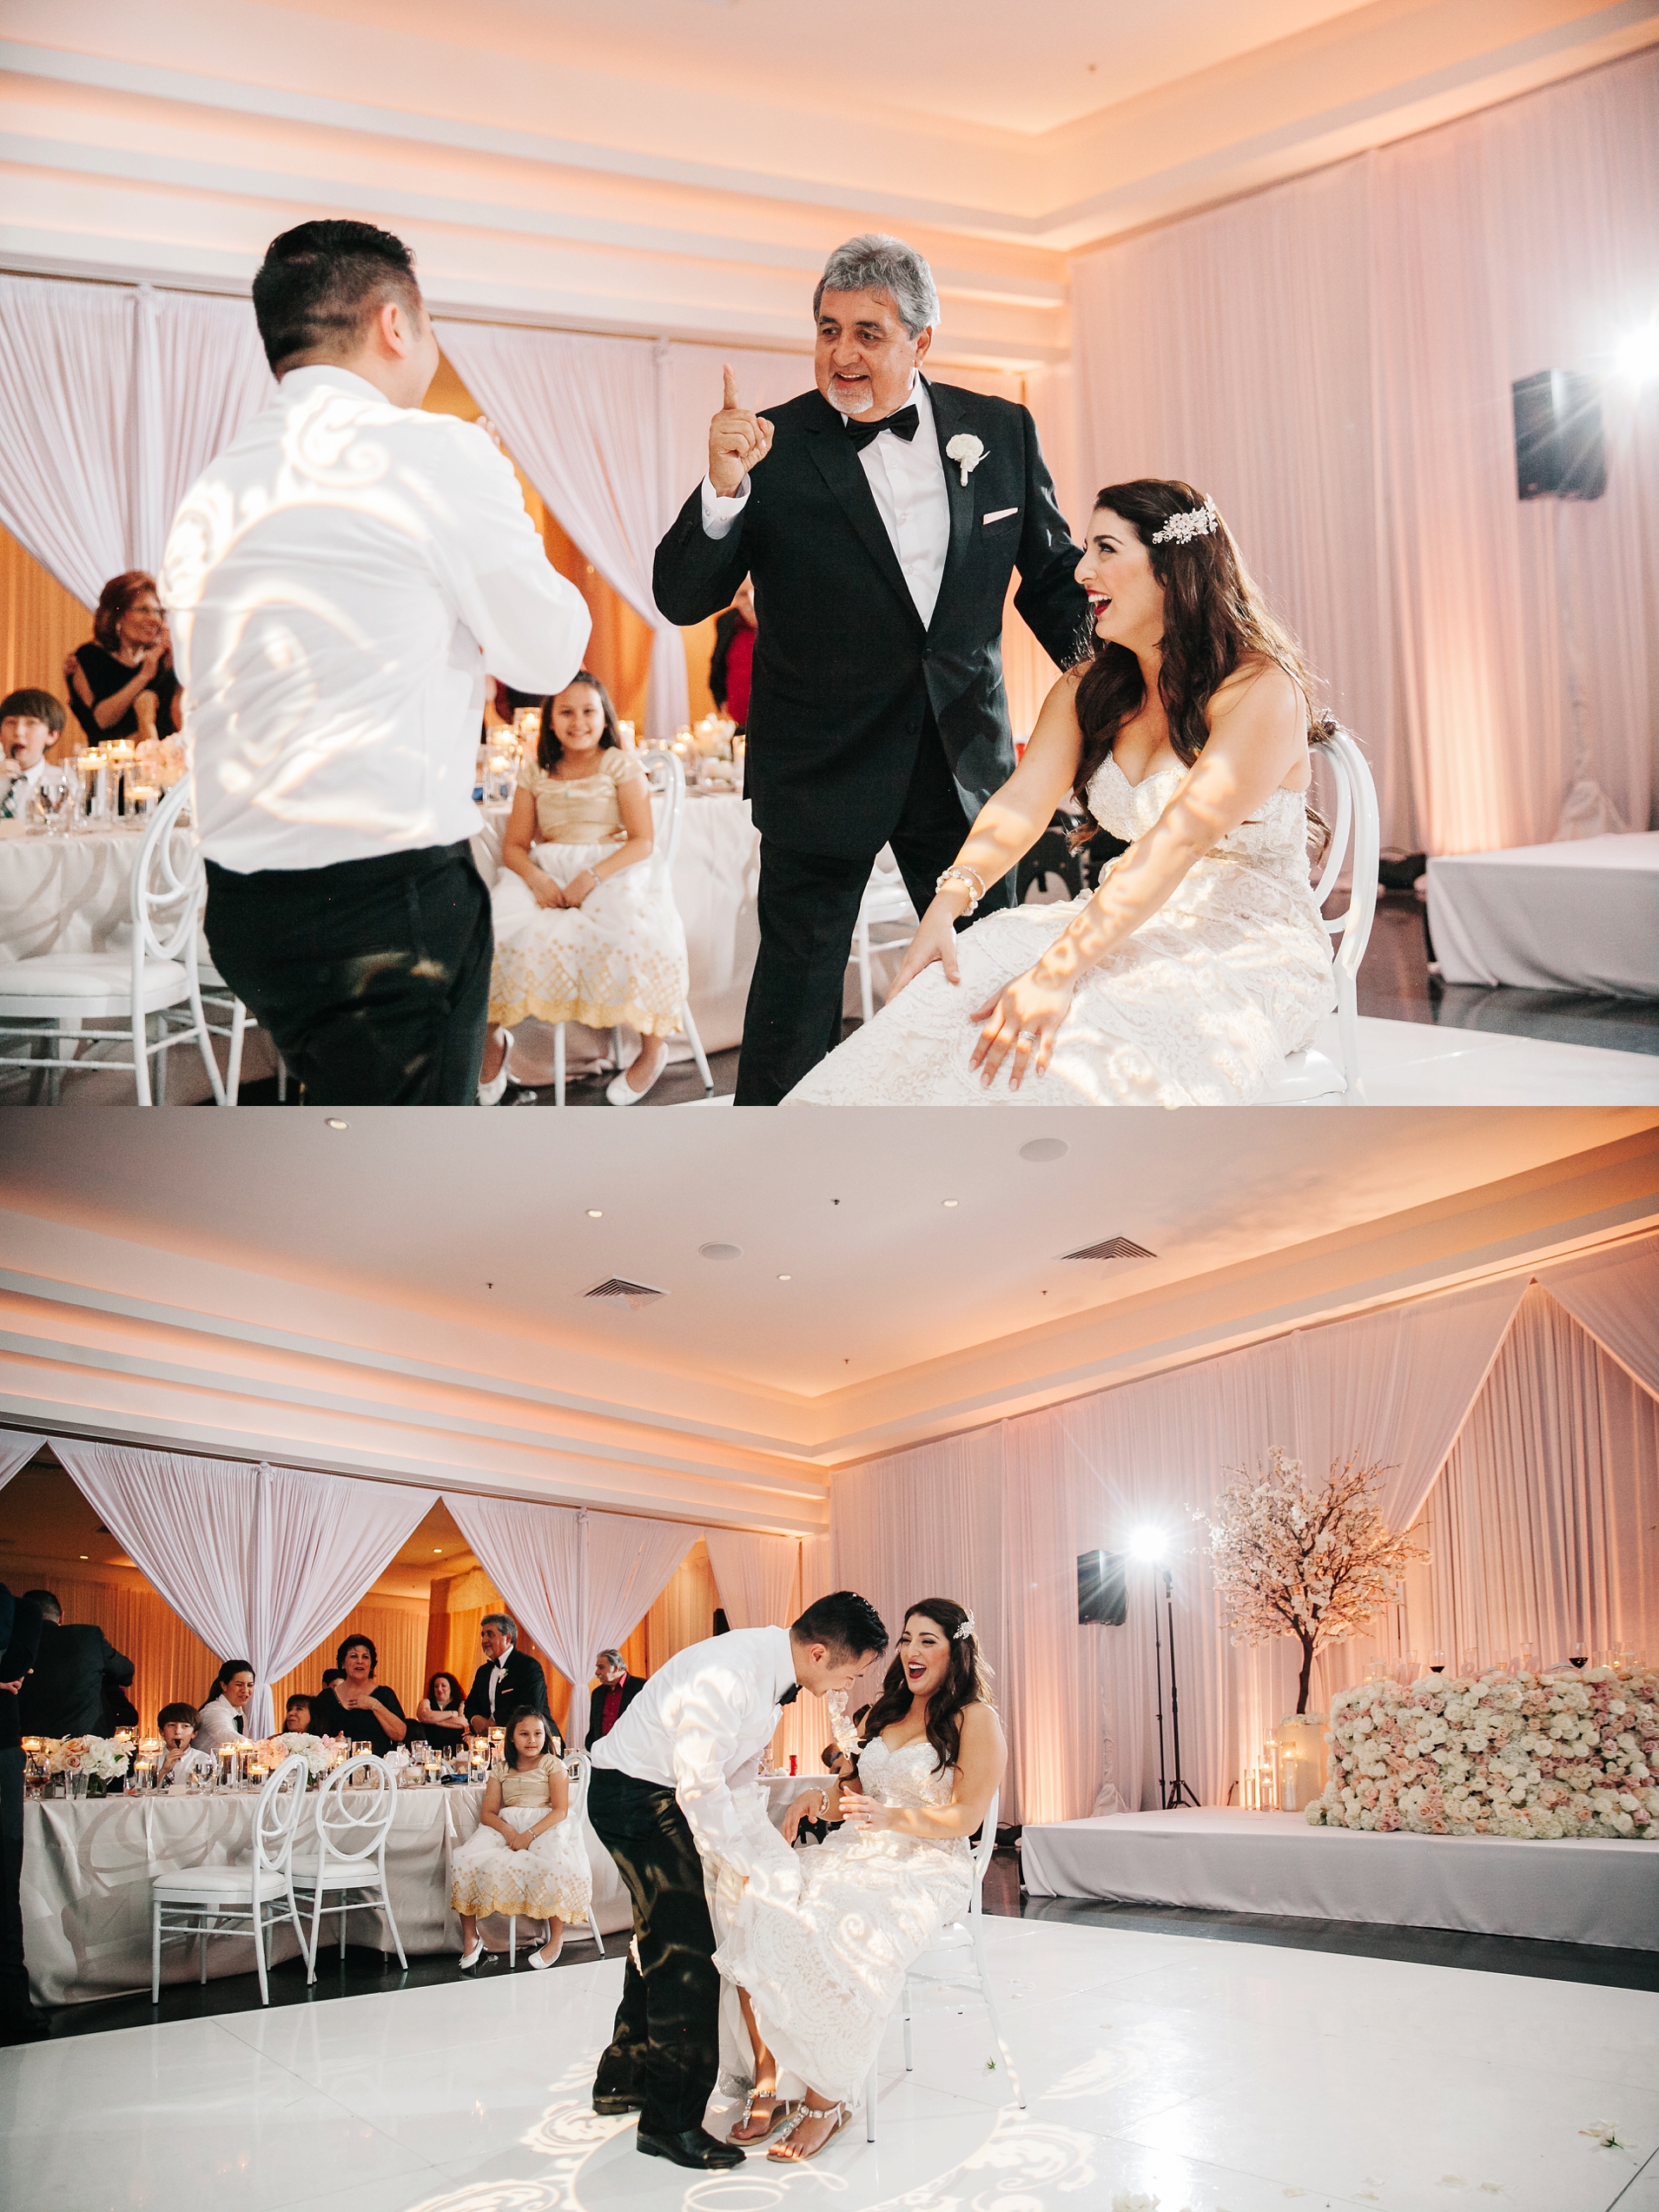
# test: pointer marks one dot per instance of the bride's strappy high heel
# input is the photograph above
(839, 2113)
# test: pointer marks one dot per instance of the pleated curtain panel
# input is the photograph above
(755, 1576)
(261, 1561)
(15, 1451)
(578, 1581)
(112, 400)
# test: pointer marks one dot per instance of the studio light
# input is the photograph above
(1636, 355)
(1148, 1544)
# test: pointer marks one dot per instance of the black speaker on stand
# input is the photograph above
(1558, 450)
(1103, 1589)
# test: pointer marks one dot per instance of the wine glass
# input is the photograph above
(1579, 1655)
(1436, 1662)
(1470, 1666)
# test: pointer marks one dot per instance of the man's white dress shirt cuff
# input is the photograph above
(720, 514)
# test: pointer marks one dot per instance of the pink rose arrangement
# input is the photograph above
(1504, 1755)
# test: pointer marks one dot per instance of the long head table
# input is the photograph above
(87, 1865)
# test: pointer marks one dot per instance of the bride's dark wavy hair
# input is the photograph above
(967, 1681)
(1214, 619)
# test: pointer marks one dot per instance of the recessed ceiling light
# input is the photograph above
(437, 1550)
(721, 1251)
(333, 1122)
(596, 1214)
(783, 1278)
(950, 1202)
(83, 1555)
(1044, 1147)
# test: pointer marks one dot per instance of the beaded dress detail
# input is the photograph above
(1201, 1006)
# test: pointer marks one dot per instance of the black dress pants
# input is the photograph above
(665, 2047)
(16, 2011)
(809, 908)
(372, 977)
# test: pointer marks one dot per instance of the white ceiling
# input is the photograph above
(970, 62)
(481, 1221)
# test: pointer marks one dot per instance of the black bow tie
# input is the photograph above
(788, 1696)
(902, 425)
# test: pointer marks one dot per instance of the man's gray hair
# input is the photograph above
(875, 263)
(505, 1622)
(615, 1657)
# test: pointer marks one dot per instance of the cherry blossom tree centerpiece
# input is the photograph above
(1313, 1561)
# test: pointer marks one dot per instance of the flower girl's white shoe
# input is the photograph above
(490, 1094)
(621, 1092)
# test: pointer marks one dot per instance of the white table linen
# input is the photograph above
(1582, 915)
(1581, 1890)
(87, 1866)
(65, 894)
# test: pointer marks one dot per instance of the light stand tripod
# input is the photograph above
(1172, 1795)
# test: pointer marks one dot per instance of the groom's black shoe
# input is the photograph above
(691, 2147)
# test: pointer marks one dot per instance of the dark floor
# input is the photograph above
(366, 1973)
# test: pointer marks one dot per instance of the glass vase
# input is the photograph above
(1299, 1759)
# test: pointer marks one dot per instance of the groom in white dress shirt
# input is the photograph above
(659, 1799)
(339, 579)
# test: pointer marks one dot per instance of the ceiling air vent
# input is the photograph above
(638, 1294)
(1111, 1247)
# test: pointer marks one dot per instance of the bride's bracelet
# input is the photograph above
(967, 876)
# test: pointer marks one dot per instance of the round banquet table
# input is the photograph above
(65, 894)
(87, 1865)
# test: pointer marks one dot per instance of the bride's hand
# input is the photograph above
(867, 1813)
(1022, 1020)
(935, 939)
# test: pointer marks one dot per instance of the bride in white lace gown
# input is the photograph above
(823, 1974)
(1200, 962)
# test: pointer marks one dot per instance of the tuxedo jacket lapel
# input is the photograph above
(838, 464)
(948, 420)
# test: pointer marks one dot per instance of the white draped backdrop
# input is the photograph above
(1524, 1452)
(260, 1562)
(1332, 360)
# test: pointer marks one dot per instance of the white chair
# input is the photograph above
(234, 1022)
(885, 900)
(248, 1899)
(1312, 1074)
(153, 982)
(348, 1864)
(667, 778)
(956, 1964)
(575, 1768)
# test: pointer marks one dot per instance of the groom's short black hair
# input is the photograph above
(847, 1624)
(320, 283)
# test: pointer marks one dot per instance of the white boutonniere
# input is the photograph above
(966, 450)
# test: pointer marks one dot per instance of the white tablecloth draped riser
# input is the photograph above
(1582, 915)
(1585, 1891)
(88, 1867)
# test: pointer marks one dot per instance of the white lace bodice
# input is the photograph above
(1275, 836)
(909, 1776)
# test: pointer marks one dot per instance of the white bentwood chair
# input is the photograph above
(575, 1769)
(666, 773)
(48, 1001)
(348, 1864)
(1310, 1073)
(885, 900)
(249, 1899)
(957, 1962)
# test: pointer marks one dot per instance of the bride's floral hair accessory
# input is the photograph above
(1196, 522)
(965, 1630)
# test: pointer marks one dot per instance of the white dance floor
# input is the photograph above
(1590, 1890)
(1208, 2077)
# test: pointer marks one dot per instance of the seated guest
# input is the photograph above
(528, 1855)
(122, 683)
(509, 1678)
(176, 1725)
(77, 1669)
(296, 1716)
(440, 1716)
(617, 1692)
(358, 1708)
(731, 670)
(225, 1714)
(586, 929)
(31, 725)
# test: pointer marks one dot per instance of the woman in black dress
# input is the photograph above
(122, 683)
(359, 1708)
(440, 1721)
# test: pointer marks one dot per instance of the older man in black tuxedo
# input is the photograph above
(509, 1678)
(20, 1629)
(881, 533)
